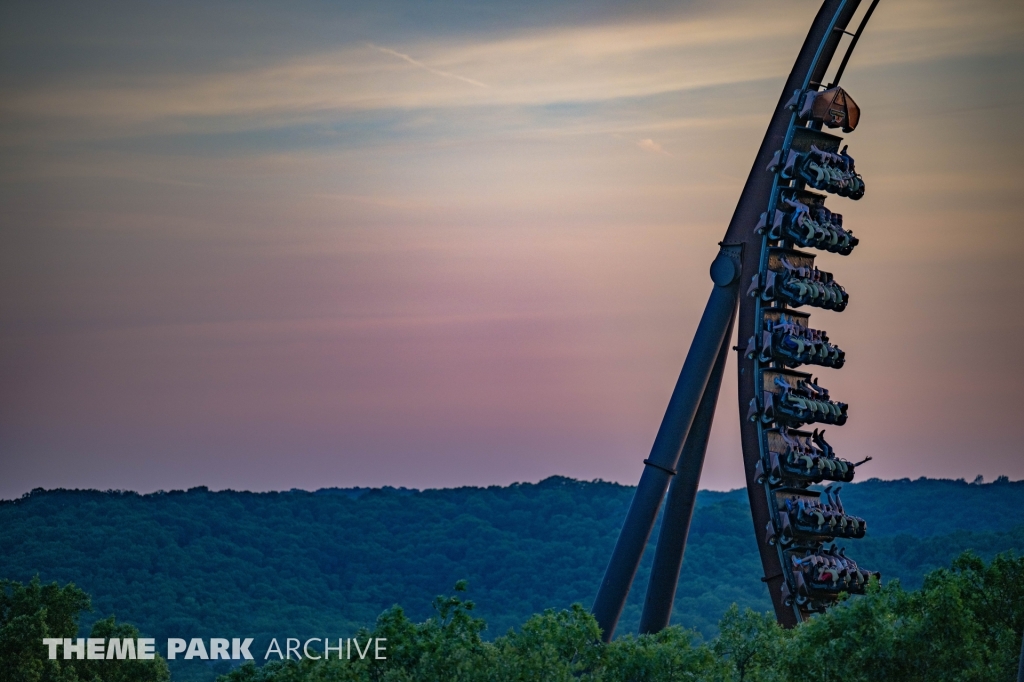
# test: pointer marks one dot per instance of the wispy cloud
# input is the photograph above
(528, 68)
(552, 66)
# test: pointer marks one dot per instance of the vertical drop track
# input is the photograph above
(793, 523)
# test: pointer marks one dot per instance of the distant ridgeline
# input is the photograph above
(199, 563)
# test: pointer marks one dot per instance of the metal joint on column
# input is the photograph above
(670, 472)
(728, 264)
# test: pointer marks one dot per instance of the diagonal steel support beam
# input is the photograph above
(682, 496)
(714, 328)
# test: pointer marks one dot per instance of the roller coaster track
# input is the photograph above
(793, 523)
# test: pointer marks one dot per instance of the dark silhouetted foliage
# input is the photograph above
(964, 625)
(29, 613)
(325, 563)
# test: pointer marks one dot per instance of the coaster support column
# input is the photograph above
(714, 327)
(682, 497)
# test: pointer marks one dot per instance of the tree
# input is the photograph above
(964, 625)
(750, 644)
(672, 655)
(29, 613)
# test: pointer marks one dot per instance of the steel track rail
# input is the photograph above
(685, 427)
(760, 193)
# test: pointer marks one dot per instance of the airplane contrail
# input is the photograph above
(431, 69)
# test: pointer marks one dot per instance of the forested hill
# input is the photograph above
(201, 563)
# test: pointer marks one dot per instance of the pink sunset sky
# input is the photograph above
(264, 246)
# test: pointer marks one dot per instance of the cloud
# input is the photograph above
(529, 67)
(534, 68)
(652, 146)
